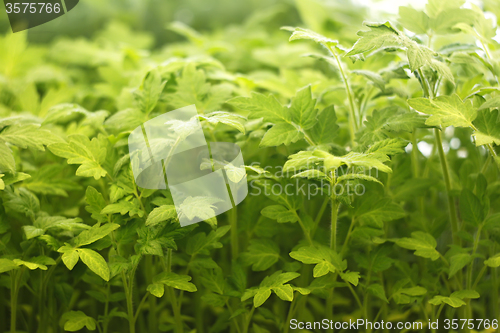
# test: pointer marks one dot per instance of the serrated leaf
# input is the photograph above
(279, 213)
(176, 281)
(76, 320)
(148, 95)
(201, 207)
(326, 128)
(96, 203)
(457, 262)
(378, 291)
(471, 209)
(230, 119)
(261, 106)
(28, 136)
(160, 214)
(446, 111)
(310, 174)
(423, 244)
(7, 162)
(282, 133)
(356, 176)
(303, 108)
(487, 124)
(301, 33)
(80, 150)
(414, 20)
(95, 233)
(261, 254)
(377, 79)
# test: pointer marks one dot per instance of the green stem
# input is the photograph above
(352, 113)
(233, 221)
(130, 306)
(303, 227)
(13, 299)
(447, 181)
(249, 320)
(333, 231)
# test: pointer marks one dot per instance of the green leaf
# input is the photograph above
(487, 124)
(471, 209)
(201, 243)
(414, 20)
(435, 7)
(176, 281)
(76, 320)
(385, 34)
(201, 207)
(95, 262)
(148, 95)
(375, 212)
(381, 124)
(303, 108)
(279, 213)
(28, 136)
(160, 214)
(376, 37)
(377, 79)
(7, 265)
(351, 277)
(457, 262)
(261, 106)
(261, 254)
(230, 119)
(127, 119)
(282, 133)
(378, 290)
(326, 128)
(32, 264)
(80, 150)
(301, 33)
(275, 283)
(23, 201)
(388, 147)
(446, 111)
(325, 259)
(96, 203)
(123, 207)
(423, 244)
(7, 162)
(260, 297)
(358, 176)
(493, 261)
(491, 103)
(156, 289)
(95, 233)
(310, 174)
(455, 299)
(192, 88)
(451, 301)
(70, 257)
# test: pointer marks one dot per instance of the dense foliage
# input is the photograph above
(371, 159)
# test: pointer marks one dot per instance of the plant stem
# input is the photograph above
(304, 230)
(14, 292)
(335, 208)
(352, 113)
(447, 181)
(233, 221)
(130, 306)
